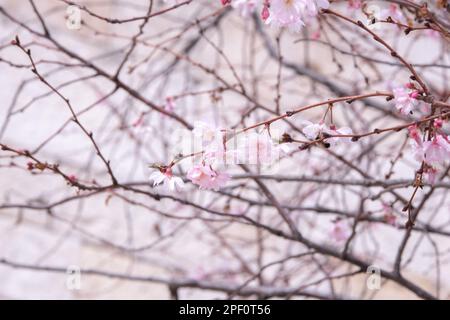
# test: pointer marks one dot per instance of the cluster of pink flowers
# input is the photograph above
(432, 152)
(210, 148)
(291, 14)
(405, 98)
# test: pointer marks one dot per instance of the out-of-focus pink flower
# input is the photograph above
(138, 121)
(286, 14)
(165, 176)
(341, 231)
(170, 104)
(265, 13)
(430, 174)
(437, 150)
(354, 4)
(405, 99)
(388, 215)
(258, 149)
(432, 34)
(343, 131)
(394, 12)
(199, 273)
(30, 165)
(172, 2)
(292, 13)
(432, 152)
(438, 123)
(414, 134)
(313, 131)
(72, 178)
(245, 7)
(207, 178)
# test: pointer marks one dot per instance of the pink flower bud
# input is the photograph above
(265, 13)
(315, 35)
(72, 178)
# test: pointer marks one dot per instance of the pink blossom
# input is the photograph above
(341, 231)
(217, 152)
(414, 134)
(265, 13)
(245, 7)
(432, 34)
(437, 150)
(394, 12)
(170, 104)
(205, 132)
(72, 178)
(430, 174)
(315, 35)
(292, 13)
(286, 14)
(207, 178)
(355, 4)
(172, 2)
(432, 152)
(164, 175)
(405, 99)
(313, 6)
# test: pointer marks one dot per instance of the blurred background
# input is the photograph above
(129, 245)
